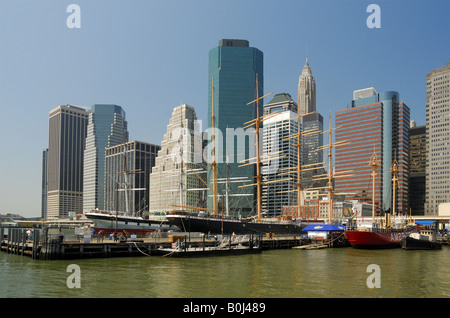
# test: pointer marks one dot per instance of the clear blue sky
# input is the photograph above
(149, 56)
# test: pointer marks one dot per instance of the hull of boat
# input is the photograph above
(376, 240)
(229, 226)
(409, 243)
(108, 224)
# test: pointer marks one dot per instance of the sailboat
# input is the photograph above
(209, 220)
(383, 232)
(115, 221)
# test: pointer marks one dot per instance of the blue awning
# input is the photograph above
(324, 227)
(425, 222)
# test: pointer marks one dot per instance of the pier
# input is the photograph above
(43, 244)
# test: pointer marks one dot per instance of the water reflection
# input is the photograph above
(273, 274)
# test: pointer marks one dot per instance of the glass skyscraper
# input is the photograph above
(234, 66)
(374, 122)
(107, 127)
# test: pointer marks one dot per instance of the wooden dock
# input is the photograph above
(41, 247)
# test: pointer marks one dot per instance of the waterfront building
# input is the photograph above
(67, 134)
(172, 181)
(275, 194)
(418, 158)
(127, 170)
(107, 127)
(306, 91)
(234, 65)
(44, 183)
(374, 122)
(438, 139)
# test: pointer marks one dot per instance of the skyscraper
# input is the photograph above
(314, 120)
(276, 130)
(67, 135)
(234, 66)
(127, 168)
(438, 139)
(418, 158)
(171, 180)
(310, 143)
(107, 127)
(306, 91)
(374, 122)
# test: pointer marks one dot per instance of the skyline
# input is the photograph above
(151, 56)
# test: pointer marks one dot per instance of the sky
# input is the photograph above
(150, 56)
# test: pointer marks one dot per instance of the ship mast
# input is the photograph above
(332, 174)
(257, 122)
(394, 170)
(298, 135)
(214, 164)
(374, 163)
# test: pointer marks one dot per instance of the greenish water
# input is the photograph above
(271, 274)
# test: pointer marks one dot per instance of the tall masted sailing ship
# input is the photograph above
(115, 221)
(209, 221)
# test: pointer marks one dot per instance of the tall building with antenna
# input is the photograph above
(306, 91)
(311, 120)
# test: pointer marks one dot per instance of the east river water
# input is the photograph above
(342, 272)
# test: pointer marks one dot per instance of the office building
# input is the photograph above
(279, 154)
(107, 127)
(67, 135)
(310, 152)
(438, 139)
(127, 170)
(172, 181)
(234, 65)
(418, 158)
(374, 122)
(314, 120)
(306, 91)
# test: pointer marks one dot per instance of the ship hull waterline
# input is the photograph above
(230, 226)
(108, 224)
(409, 243)
(376, 240)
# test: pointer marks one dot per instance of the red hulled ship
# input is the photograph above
(377, 238)
(382, 233)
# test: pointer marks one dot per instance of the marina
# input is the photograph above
(53, 246)
(183, 244)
